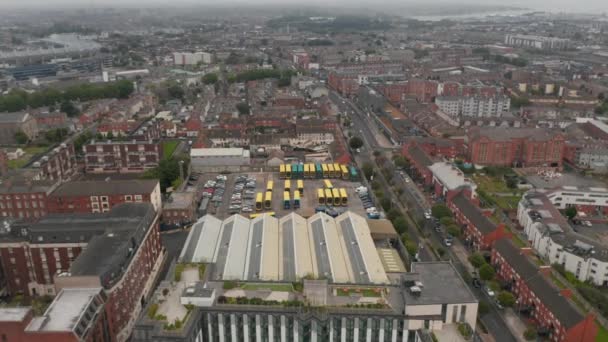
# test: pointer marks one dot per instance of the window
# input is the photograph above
(128, 198)
(104, 198)
(138, 198)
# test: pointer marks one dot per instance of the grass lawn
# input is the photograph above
(272, 287)
(493, 184)
(358, 291)
(169, 147)
(602, 334)
(507, 202)
(29, 153)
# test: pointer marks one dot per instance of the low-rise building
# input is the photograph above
(537, 298)
(24, 199)
(474, 106)
(420, 162)
(179, 209)
(218, 158)
(447, 178)
(537, 42)
(58, 164)
(12, 123)
(102, 196)
(121, 156)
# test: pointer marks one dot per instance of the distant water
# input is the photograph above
(469, 16)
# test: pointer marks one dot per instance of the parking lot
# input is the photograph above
(237, 194)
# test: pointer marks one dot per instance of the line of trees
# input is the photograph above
(18, 100)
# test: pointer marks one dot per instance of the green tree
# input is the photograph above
(486, 272)
(243, 108)
(210, 78)
(368, 170)
(355, 142)
(446, 220)
(506, 299)
(401, 162)
(69, 109)
(393, 213)
(176, 91)
(571, 212)
(483, 308)
(386, 203)
(530, 334)
(440, 210)
(21, 138)
(477, 260)
(453, 230)
(400, 224)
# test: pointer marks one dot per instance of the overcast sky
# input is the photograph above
(548, 5)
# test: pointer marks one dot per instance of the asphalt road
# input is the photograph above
(492, 320)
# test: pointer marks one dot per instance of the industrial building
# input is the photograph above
(287, 249)
(218, 159)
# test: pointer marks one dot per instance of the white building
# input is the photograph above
(554, 239)
(474, 106)
(536, 42)
(447, 177)
(218, 158)
(192, 58)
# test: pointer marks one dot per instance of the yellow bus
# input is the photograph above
(286, 200)
(271, 213)
(282, 171)
(332, 171)
(300, 184)
(336, 197)
(345, 173)
(287, 170)
(343, 197)
(269, 186)
(337, 170)
(268, 200)
(325, 171)
(259, 201)
(321, 196)
(329, 198)
(296, 199)
(312, 169)
(287, 185)
(306, 171)
(328, 184)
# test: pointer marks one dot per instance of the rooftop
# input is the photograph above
(436, 278)
(451, 177)
(13, 314)
(111, 187)
(474, 214)
(219, 152)
(180, 200)
(286, 249)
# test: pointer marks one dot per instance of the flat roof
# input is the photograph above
(441, 284)
(13, 314)
(450, 176)
(265, 248)
(111, 187)
(219, 152)
(66, 311)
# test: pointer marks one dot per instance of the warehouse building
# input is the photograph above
(218, 159)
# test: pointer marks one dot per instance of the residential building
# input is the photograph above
(479, 232)
(102, 196)
(517, 147)
(192, 58)
(58, 165)
(121, 156)
(447, 178)
(554, 239)
(420, 161)
(538, 299)
(537, 42)
(119, 251)
(11, 123)
(474, 106)
(592, 158)
(246, 251)
(24, 199)
(218, 158)
(179, 209)
(46, 119)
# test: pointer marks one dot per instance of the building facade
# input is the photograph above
(12, 123)
(132, 156)
(537, 42)
(474, 106)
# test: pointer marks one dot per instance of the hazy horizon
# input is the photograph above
(582, 6)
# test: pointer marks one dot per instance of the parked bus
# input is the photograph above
(321, 196)
(343, 197)
(332, 171)
(329, 198)
(296, 199)
(318, 171)
(268, 200)
(287, 170)
(259, 201)
(300, 185)
(286, 200)
(345, 173)
(337, 170)
(282, 171)
(336, 197)
(301, 171)
(306, 171)
(269, 186)
(311, 169)
(328, 184)
(325, 171)
(354, 175)
(294, 171)
(271, 213)
(287, 186)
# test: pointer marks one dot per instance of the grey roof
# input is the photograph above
(441, 284)
(501, 134)
(420, 156)
(520, 263)
(112, 187)
(474, 214)
(13, 117)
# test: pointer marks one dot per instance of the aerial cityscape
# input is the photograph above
(282, 171)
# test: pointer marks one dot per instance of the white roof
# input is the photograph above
(13, 314)
(450, 176)
(197, 249)
(237, 250)
(219, 152)
(66, 310)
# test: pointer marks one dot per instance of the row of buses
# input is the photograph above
(332, 197)
(310, 170)
(263, 200)
(299, 186)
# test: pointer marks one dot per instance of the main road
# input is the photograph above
(365, 128)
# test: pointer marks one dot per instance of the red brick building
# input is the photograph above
(180, 208)
(24, 199)
(102, 196)
(51, 120)
(346, 84)
(478, 230)
(59, 164)
(516, 147)
(423, 90)
(121, 156)
(555, 316)
(419, 160)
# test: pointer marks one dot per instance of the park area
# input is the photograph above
(30, 152)
(494, 190)
(169, 147)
